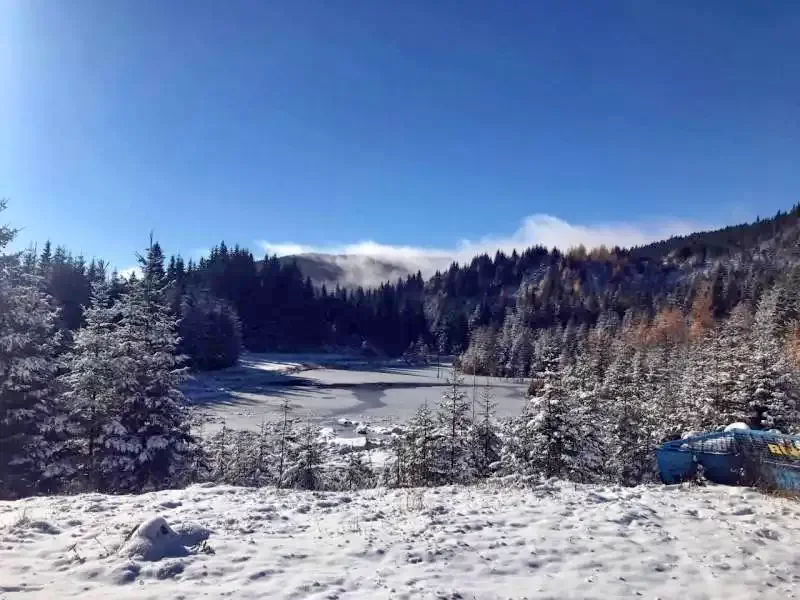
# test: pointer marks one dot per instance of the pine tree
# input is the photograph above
(210, 330)
(90, 384)
(485, 444)
(30, 421)
(220, 452)
(305, 471)
(45, 258)
(518, 454)
(546, 365)
(282, 450)
(149, 438)
(774, 399)
(357, 473)
(728, 366)
(243, 459)
(262, 472)
(624, 394)
(394, 472)
(454, 420)
(553, 436)
(421, 452)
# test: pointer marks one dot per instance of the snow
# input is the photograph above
(553, 540)
(329, 390)
(737, 427)
(155, 540)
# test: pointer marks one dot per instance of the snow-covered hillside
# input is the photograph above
(550, 541)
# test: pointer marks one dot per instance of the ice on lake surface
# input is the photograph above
(326, 388)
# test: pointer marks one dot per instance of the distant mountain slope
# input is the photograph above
(352, 271)
(723, 241)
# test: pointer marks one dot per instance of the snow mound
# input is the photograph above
(154, 539)
(737, 427)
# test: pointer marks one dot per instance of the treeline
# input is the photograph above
(281, 310)
(580, 285)
(229, 300)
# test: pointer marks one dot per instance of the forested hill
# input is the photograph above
(272, 305)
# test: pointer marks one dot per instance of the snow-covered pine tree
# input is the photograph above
(243, 459)
(545, 365)
(453, 415)
(578, 375)
(569, 346)
(357, 473)
(90, 385)
(219, 451)
(554, 433)
(624, 395)
(394, 471)
(519, 443)
(728, 367)
(262, 474)
(775, 400)
(283, 448)
(485, 444)
(306, 461)
(521, 352)
(150, 443)
(31, 424)
(482, 354)
(422, 449)
(588, 419)
(600, 345)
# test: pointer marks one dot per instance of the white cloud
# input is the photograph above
(127, 272)
(541, 229)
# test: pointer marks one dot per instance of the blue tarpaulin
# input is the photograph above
(739, 457)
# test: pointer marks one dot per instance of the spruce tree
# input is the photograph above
(774, 399)
(454, 421)
(518, 454)
(306, 461)
(728, 369)
(357, 473)
(90, 388)
(31, 424)
(421, 451)
(554, 432)
(485, 443)
(150, 437)
(624, 394)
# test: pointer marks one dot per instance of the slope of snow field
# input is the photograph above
(554, 540)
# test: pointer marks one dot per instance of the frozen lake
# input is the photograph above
(327, 388)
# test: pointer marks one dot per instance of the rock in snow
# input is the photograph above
(553, 540)
(154, 539)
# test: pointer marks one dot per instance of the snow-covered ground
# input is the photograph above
(550, 541)
(324, 388)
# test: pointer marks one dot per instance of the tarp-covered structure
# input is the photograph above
(738, 457)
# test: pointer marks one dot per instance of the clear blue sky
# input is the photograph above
(413, 122)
